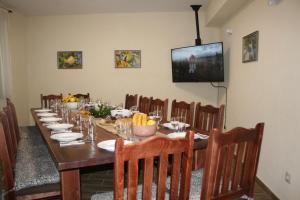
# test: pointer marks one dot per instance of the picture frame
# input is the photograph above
(127, 58)
(69, 59)
(250, 47)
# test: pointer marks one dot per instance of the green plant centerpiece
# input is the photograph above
(101, 111)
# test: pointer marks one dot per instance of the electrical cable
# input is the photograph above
(225, 111)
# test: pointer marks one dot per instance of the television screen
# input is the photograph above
(202, 63)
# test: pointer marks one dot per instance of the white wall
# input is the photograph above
(267, 90)
(18, 71)
(98, 36)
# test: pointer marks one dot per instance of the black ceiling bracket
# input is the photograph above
(198, 39)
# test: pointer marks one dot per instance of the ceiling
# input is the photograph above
(66, 7)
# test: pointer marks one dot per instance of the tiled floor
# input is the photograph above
(101, 181)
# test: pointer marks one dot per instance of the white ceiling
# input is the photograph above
(66, 7)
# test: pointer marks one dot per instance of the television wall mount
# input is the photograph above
(196, 9)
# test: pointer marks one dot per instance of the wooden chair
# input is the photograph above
(13, 113)
(9, 125)
(147, 151)
(206, 118)
(162, 106)
(86, 97)
(45, 99)
(183, 109)
(131, 100)
(144, 104)
(231, 165)
(19, 182)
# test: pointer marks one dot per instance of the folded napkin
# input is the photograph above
(182, 135)
(202, 136)
(61, 131)
(76, 142)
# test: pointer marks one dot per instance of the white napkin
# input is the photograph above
(182, 135)
(61, 131)
(202, 136)
(63, 144)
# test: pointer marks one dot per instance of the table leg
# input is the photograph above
(70, 184)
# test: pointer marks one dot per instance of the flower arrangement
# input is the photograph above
(100, 111)
(70, 98)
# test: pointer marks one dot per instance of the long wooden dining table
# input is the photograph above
(70, 159)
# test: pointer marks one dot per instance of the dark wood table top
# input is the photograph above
(88, 154)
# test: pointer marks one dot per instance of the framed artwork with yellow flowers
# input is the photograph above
(127, 58)
(69, 59)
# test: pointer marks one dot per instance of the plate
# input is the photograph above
(50, 119)
(42, 110)
(46, 114)
(60, 126)
(170, 126)
(109, 145)
(66, 137)
(181, 135)
(103, 122)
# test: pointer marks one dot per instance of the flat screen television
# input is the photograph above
(202, 63)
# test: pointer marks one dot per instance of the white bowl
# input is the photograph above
(72, 105)
(122, 113)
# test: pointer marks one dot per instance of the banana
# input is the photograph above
(144, 119)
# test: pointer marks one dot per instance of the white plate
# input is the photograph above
(66, 137)
(181, 135)
(170, 126)
(46, 114)
(122, 112)
(60, 126)
(42, 110)
(109, 145)
(50, 119)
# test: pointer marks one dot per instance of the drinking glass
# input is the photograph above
(174, 123)
(181, 123)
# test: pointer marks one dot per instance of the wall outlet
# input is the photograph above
(287, 177)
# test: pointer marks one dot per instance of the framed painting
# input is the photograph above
(127, 58)
(250, 47)
(69, 59)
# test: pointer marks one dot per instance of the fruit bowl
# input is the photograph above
(72, 105)
(144, 130)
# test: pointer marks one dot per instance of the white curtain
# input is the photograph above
(5, 63)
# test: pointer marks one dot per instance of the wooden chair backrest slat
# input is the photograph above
(160, 105)
(10, 130)
(208, 117)
(144, 104)
(45, 99)
(83, 96)
(146, 152)
(5, 154)
(231, 165)
(131, 100)
(183, 109)
(13, 111)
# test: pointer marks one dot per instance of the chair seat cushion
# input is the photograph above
(30, 132)
(34, 165)
(110, 195)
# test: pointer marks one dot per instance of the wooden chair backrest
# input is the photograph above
(183, 109)
(8, 124)
(13, 111)
(45, 99)
(161, 105)
(146, 151)
(130, 100)
(208, 117)
(83, 96)
(6, 153)
(231, 165)
(144, 104)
